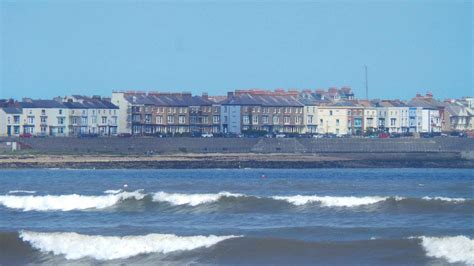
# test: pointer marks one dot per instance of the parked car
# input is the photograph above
(26, 135)
(207, 135)
(384, 136)
(124, 135)
(280, 135)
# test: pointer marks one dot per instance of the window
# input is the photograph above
(170, 119)
(84, 120)
(43, 112)
(246, 120)
(276, 120)
(216, 119)
(60, 111)
(255, 119)
(265, 119)
(31, 119)
(330, 112)
(147, 119)
(393, 121)
(205, 119)
(182, 119)
(225, 119)
(337, 122)
(60, 120)
(321, 122)
(286, 120)
(43, 129)
(297, 120)
(310, 119)
(16, 119)
(159, 119)
(104, 120)
(94, 119)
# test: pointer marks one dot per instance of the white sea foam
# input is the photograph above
(455, 249)
(21, 191)
(445, 199)
(76, 246)
(112, 191)
(66, 202)
(329, 201)
(191, 199)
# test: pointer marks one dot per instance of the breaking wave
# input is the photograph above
(445, 199)
(455, 249)
(75, 246)
(328, 201)
(21, 191)
(226, 200)
(191, 199)
(66, 202)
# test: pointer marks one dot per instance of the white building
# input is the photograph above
(94, 116)
(10, 121)
(124, 112)
(44, 117)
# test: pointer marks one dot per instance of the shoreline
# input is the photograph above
(239, 160)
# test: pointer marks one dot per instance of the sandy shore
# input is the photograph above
(238, 160)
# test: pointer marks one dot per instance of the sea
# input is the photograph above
(240, 216)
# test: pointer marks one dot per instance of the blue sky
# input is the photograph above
(52, 48)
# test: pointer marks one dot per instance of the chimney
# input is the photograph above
(230, 94)
(28, 100)
(205, 96)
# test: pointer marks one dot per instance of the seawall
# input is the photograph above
(191, 153)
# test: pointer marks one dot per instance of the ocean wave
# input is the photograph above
(191, 199)
(445, 199)
(224, 199)
(21, 191)
(328, 201)
(75, 246)
(112, 191)
(455, 249)
(66, 202)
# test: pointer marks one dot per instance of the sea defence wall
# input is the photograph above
(151, 145)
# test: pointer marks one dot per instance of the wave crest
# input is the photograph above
(329, 201)
(191, 199)
(75, 246)
(66, 202)
(455, 249)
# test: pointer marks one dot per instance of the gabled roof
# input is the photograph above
(12, 110)
(42, 104)
(422, 103)
(262, 100)
(167, 99)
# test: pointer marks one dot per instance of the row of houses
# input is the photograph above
(73, 115)
(335, 111)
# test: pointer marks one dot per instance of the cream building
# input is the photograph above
(44, 117)
(332, 120)
(10, 121)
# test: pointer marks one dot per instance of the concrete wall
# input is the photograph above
(142, 145)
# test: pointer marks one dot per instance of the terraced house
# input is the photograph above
(44, 117)
(274, 112)
(91, 115)
(11, 117)
(157, 113)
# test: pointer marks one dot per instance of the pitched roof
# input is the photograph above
(262, 100)
(12, 110)
(42, 104)
(167, 99)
